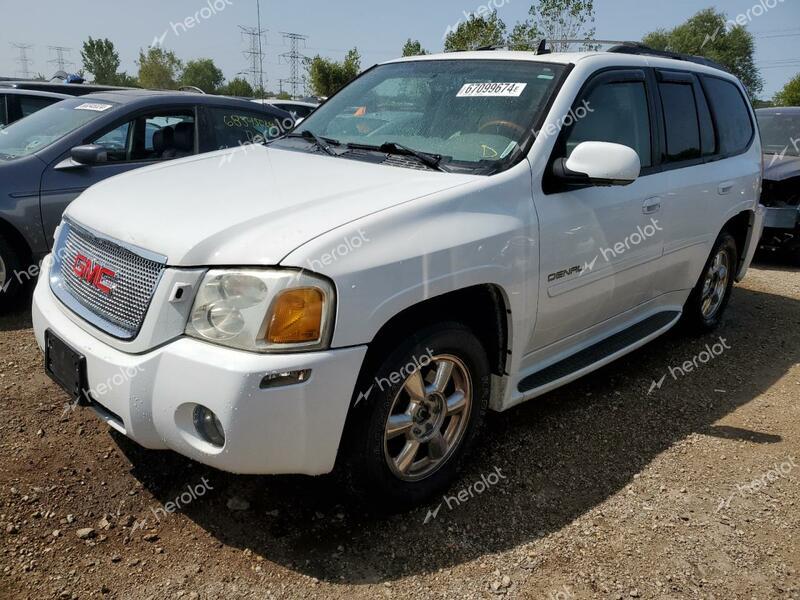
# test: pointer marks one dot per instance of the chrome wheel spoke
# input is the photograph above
(406, 458)
(398, 425)
(444, 372)
(437, 447)
(456, 403)
(415, 386)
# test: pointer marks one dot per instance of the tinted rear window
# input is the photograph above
(680, 119)
(734, 126)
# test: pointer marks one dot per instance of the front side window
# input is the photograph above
(48, 125)
(477, 115)
(616, 113)
(154, 136)
(680, 121)
(731, 114)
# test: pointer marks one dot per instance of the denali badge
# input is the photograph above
(92, 273)
(564, 273)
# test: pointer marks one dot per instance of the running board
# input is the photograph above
(599, 352)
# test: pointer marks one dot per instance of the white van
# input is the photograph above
(447, 235)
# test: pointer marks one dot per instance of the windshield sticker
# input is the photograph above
(492, 90)
(93, 106)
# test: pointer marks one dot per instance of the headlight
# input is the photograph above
(263, 310)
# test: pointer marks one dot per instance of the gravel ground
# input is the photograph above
(603, 489)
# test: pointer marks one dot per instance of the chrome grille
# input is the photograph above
(121, 310)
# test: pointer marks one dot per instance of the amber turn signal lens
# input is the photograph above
(297, 317)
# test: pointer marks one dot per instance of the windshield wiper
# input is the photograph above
(321, 143)
(430, 160)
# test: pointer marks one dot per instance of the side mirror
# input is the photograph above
(599, 164)
(89, 154)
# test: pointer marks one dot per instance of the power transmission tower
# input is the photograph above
(23, 60)
(60, 61)
(254, 54)
(295, 59)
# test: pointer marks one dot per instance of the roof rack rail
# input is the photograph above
(636, 48)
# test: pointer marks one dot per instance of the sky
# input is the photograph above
(378, 28)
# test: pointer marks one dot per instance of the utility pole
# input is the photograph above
(23, 60)
(295, 60)
(255, 51)
(60, 60)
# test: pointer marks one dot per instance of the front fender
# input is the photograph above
(482, 233)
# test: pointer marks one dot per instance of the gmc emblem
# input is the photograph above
(93, 273)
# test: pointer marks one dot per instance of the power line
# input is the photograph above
(295, 59)
(23, 60)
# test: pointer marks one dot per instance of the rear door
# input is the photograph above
(601, 246)
(132, 142)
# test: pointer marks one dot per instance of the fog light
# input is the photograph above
(209, 426)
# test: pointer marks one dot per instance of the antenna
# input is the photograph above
(295, 60)
(23, 60)
(60, 60)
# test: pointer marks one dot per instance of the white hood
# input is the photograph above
(246, 206)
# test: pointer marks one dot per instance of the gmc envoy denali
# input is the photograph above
(447, 235)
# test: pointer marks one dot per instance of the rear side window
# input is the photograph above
(732, 117)
(30, 104)
(680, 121)
(618, 113)
(233, 127)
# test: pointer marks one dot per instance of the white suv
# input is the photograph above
(446, 235)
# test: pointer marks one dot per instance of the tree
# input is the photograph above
(554, 20)
(709, 34)
(284, 96)
(790, 94)
(413, 48)
(158, 69)
(101, 59)
(203, 74)
(329, 76)
(237, 87)
(477, 32)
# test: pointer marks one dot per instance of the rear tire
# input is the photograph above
(709, 299)
(418, 416)
(11, 289)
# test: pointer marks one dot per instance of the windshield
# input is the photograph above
(44, 127)
(780, 133)
(475, 114)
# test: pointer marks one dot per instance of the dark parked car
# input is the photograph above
(50, 157)
(780, 135)
(15, 103)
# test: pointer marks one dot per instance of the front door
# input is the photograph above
(600, 246)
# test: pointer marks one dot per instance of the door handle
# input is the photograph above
(651, 206)
(725, 188)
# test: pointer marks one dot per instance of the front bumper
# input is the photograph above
(150, 397)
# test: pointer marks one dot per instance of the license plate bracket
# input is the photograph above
(67, 367)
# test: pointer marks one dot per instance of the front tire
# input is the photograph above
(709, 299)
(420, 413)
